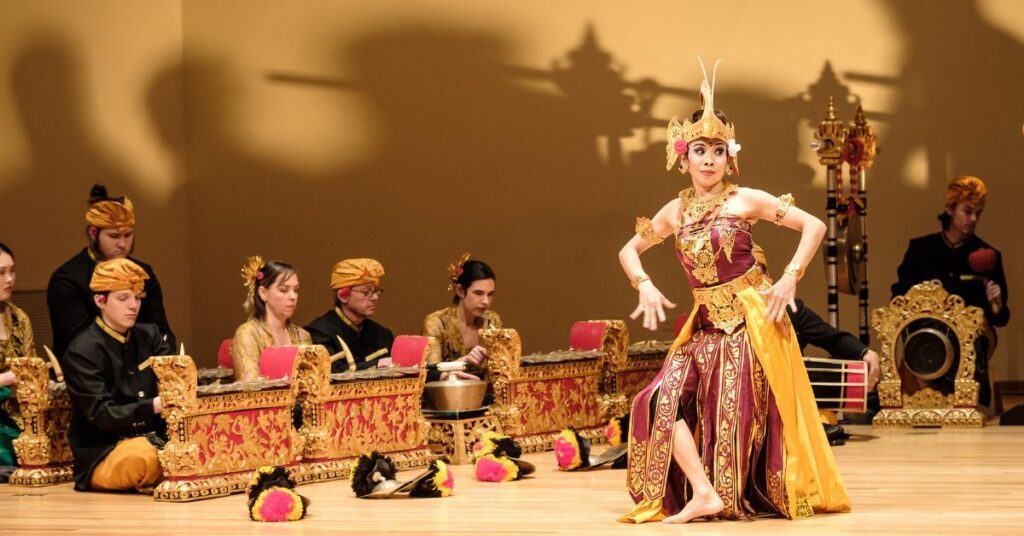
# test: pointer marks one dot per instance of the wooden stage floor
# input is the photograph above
(915, 482)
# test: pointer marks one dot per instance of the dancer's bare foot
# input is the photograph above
(698, 506)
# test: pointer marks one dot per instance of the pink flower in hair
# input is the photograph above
(259, 275)
(680, 147)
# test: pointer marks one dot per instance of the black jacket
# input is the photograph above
(72, 308)
(811, 329)
(370, 338)
(929, 257)
(111, 399)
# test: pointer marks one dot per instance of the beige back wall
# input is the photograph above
(528, 133)
(73, 78)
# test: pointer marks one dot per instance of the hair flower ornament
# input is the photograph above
(680, 147)
(734, 147)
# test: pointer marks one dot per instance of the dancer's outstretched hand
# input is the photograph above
(782, 293)
(652, 305)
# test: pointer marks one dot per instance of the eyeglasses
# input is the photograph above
(378, 292)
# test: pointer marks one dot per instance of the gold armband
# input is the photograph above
(785, 202)
(645, 229)
(638, 278)
(794, 269)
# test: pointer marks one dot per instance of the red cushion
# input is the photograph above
(224, 354)
(409, 350)
(680, 322)
(586, 335)
(278, 361)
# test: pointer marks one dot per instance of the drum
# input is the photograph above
(838, 384)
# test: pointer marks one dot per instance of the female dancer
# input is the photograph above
(732, 405)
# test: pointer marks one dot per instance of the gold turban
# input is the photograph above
(118, 274)
(966, 188)
(352, 272)
(111, 214)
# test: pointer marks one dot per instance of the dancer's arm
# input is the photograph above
(652, 301)
(764, 206)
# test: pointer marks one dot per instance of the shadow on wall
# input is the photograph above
(51, 99)
(524, 167)
(534, 181)
(46, 201)
(959, 106)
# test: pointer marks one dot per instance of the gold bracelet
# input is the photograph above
(639, 278)
(645, 229)
(785, 202)
(794, 269)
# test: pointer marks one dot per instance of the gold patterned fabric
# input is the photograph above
(741, 385)
(19, 343)
(443, 325)
(704, 247)
(645, 229)
(111, 214)
(251, 338)
(710, 370)
(352, 272)
(118, 274)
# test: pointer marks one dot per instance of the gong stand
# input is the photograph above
(860, 150)
(829, 146)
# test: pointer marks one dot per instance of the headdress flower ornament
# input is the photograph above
(455, 270)
(118, 274)
(709, 126)
(252, 271)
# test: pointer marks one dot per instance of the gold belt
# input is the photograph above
(724, 310)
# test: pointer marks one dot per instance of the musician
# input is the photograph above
(115, 428)
(271, 297)
(947, 256)
(16, 340)
(110, 226)
(356, 284)
(457, 326)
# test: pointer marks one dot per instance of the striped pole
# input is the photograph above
(831, 136)
(865, 137)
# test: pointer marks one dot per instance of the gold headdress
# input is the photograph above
(352, 272)
(966, 188)
(455, 270)
(251, 273)
(118, 274)
(709, 126)
(111, 214)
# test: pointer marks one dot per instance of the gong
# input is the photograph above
(850, 265)
(930, 350)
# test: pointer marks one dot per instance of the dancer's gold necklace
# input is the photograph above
(697, 209)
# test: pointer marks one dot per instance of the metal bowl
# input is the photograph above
(456, 394)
